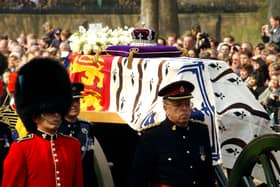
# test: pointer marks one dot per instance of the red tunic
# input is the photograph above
(35, 161)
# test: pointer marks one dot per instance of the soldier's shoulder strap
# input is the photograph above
(198, 121)
(150, 126)
(28, 137)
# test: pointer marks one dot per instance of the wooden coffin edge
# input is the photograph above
(101, 117)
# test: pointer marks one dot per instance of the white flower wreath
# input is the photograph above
(93, 40)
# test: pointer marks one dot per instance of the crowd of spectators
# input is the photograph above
(61, 4)
(19, 4)
(257, 65)
(119, 5)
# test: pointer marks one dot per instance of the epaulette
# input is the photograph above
(149, 126)
(28, 137)
(85, 121)
(198, 121)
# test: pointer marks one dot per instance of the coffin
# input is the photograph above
(127, 94)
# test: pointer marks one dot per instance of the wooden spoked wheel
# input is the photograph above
(258, 151)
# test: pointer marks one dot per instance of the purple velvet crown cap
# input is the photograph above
(142, 36)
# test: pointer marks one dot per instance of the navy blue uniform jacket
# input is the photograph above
(82, 130)
(170, 155)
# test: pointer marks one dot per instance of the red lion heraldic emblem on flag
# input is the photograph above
(95, 74)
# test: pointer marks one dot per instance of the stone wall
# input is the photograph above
(243, 26)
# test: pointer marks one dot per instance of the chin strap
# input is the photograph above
(49, 121)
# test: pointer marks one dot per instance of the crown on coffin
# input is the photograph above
(143, 37)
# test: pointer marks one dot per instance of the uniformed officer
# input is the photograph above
(73, 126)
(175, 153)
(43, 158)
(5, 142)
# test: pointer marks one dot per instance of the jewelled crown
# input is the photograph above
(143, 37)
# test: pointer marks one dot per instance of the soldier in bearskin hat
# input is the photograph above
(176, 152)
(43, 158)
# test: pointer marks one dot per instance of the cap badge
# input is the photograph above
(182, 89)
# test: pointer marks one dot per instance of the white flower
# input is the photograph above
(98, 40)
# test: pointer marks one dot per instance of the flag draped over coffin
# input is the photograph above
(221, 99)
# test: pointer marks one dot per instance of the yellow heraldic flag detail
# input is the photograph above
(21, 130)
(95, 74)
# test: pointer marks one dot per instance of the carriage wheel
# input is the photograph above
(258, 151)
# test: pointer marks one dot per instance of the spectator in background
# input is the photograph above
(270, 59)
(271, 33)
(258, 49)
(46, 53)
(30, 40)
(171, 39)
(228, 39)
(65, 51)
(273, 69)
(191, 53)
(225, 49)
(4, 49)
(52, 3)
(272, 86)
(256, 84)
(195, 30)
(247, 47)
(188, 41)
(161, 41)
(179, 42)
(235, 48)
(56, 41)
(49, 31)
(43, 43)
(224, 57)
(16, 48)
(202, 42)
(64, 35)
(273, 48)
(235, 63)
(212, 52)
(213, 43)
(204, 54)
(22, 40)
(245, 57)
(273, 105)
(260, 66)
(245, 72)
(13, 61)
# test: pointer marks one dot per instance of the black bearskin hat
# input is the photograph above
(42, 85)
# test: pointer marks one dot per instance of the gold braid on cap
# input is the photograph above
(178, 97)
